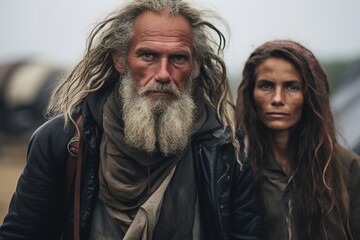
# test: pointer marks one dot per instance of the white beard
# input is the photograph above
(163, 124)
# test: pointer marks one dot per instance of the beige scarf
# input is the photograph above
(143, 225)
(129, 177)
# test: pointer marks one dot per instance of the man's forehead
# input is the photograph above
(162, 22)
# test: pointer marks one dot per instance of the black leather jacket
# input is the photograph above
(227, 198)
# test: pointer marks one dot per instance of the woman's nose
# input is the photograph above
(278, 98)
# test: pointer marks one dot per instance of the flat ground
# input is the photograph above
(12, 161)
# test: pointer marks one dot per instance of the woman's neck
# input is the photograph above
(279, 143)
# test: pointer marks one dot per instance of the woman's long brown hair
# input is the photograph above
(319, 178)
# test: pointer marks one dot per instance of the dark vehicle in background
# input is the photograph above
(25, 88)
(346, 106)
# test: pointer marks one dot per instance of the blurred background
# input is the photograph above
(42, 40)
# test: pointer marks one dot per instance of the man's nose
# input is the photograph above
(163, 71)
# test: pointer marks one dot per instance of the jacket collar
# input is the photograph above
(95, 101)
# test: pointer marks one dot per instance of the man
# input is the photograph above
(159, 161)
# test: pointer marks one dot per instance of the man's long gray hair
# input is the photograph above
(116, 32)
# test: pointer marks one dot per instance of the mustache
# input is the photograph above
(169, 88)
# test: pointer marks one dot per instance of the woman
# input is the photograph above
(309, 184)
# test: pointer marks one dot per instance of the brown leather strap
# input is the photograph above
(77, 184)
(70, 167)
(73, 175)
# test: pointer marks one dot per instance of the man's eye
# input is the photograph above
(148, 56)
(179, 58)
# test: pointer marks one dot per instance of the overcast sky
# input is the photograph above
(56, 30)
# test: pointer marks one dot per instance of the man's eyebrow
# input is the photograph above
(181, 52)
(145, 49)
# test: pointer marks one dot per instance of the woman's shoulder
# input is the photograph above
(349, 159)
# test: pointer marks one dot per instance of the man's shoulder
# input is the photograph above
(218, 135)
(51, 127)
(52, 133)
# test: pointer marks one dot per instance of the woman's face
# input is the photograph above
(278, 94)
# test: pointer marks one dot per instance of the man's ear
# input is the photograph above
(118, 61)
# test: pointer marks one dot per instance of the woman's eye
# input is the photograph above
(265, 85)
(293, 86)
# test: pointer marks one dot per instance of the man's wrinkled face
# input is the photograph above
(161, 55)
(158, 108)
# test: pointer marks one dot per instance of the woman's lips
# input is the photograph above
(277, 114)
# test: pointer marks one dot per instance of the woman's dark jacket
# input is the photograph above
(226, 195)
